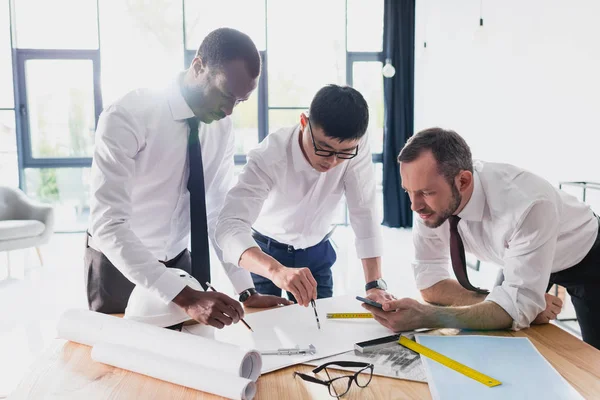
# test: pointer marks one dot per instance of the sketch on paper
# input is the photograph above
(393, 360)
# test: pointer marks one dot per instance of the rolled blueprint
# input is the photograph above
(91, 328)
(175, 371)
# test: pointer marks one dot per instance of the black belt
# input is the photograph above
(267, 241)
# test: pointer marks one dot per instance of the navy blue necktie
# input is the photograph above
(199, 223)
(459, 260)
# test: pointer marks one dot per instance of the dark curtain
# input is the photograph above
(399, 43)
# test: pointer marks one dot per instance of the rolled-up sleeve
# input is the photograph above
(528, 264)
(215, 199)
(432, 256)
(241, 209)
(361, 195)
(118, 140)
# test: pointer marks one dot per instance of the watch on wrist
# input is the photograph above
(377, 284)
(246, 294)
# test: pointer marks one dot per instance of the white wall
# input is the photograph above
(525, 90)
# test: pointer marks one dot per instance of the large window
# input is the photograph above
(306, 50)
(372, 89)
(60, 111)
(69, 58)
(57, 81)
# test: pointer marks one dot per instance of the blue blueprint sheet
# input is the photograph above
(523, 371)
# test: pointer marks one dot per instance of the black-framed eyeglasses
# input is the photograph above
(328, 153)
(341, 385)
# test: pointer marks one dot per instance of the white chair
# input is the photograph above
(24, 223)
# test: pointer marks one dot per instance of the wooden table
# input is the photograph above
(67, 371)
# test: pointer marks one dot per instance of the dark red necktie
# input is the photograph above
(457, 254)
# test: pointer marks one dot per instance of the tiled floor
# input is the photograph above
(34, 296)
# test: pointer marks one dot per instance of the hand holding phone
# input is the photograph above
(369, 302)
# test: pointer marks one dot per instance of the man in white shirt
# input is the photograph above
(157, 153)
(277, 219)
(538, 234)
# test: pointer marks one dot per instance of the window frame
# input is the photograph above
(362, 56)
(21, 56)
(24, 131)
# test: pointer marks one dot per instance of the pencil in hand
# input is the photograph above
(211, 287)
(314, 306)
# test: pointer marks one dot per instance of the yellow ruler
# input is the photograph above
(350, 315)
(448, 362)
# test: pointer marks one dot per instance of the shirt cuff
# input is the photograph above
(427, 275)
(240, 278)
(167, 286)
(369, 247)
(235, 246)
(506, 297)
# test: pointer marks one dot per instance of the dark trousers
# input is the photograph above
(107, 288)
(582, 281)
(318, 259)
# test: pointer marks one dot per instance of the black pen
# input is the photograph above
(241, 319)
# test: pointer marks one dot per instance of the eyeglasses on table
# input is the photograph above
(341, 385)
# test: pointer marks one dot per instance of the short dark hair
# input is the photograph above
(449, 149)
(340, 111)
(226, 44)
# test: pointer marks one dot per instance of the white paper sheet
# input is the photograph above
(295, 325)
(175, 371)
(524, 372)
(91, 328)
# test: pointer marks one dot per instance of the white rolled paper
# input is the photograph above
(175, 371)
(90, 328)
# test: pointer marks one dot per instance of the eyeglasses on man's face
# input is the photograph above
(327, 153)
(341, 385)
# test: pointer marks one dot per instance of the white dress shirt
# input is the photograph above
(139, 212)
(283, 197)
(522, 223)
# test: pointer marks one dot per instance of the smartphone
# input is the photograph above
(376, 344)
(369, 302)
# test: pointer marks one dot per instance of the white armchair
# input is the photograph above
(24, 223)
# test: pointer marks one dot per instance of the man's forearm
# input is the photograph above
(255, 260)
(483, 316)
(450, 293)
(371, 268)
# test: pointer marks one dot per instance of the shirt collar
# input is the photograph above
(300, 162)
(179, 108)
(473, 210)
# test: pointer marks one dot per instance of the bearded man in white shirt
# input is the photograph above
(539, 235)
(163, 162)
(276, 221)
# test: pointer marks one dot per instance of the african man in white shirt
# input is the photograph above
(163, 162)
(277, 220)
(536, 233)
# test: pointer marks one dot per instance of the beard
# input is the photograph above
(448, 212)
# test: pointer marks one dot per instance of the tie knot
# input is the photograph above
(193, 124)
(454, 219)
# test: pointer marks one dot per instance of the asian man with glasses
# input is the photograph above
(277, 220)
